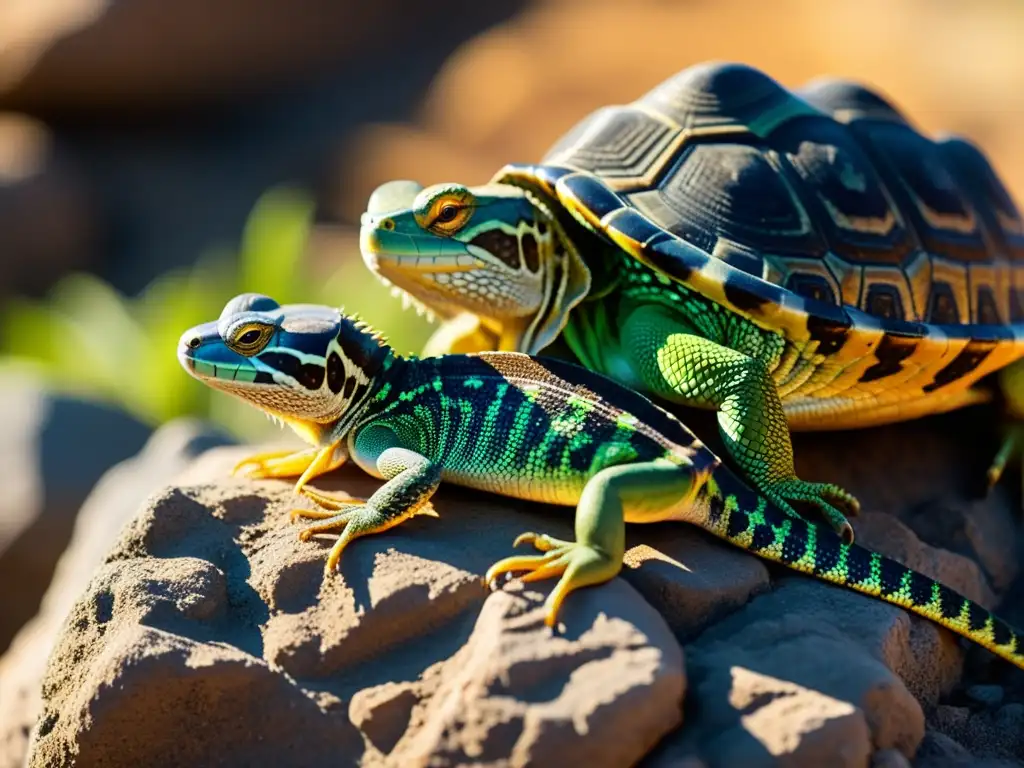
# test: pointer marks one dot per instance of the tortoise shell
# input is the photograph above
(814, 212)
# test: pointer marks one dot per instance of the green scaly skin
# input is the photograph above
(524, 427)
(636, 325)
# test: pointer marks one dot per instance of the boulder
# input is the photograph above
(115, 499)
(210, 618)
(51, 455)
(404, 658)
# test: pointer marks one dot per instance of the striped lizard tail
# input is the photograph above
(742, 517)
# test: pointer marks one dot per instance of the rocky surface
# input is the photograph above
(209, 617)
(49, 461)
(114, 500)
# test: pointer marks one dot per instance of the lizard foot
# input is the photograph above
(327, 501)
(355, 518)
(353, 521)
(276, 464)
(579, 565)
(823, 496)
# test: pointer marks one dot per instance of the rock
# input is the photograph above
(939, 493)
(990, 696)
(691, 578)
(809, 674)
(209, 596)
(146, 54)
(996, 735)
(602, 696)
(889, 758)
(50, 458)
(803, 676)
(404, 658)
(939, 751)
(115, 499)
(48, 224)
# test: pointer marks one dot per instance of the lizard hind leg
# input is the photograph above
(637, 493)
(683, 366)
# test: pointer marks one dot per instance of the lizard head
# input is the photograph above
(307, 365)
(493, 252)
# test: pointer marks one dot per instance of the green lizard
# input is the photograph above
(525, 427)
(792, 260)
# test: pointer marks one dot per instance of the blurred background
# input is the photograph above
(159, 156)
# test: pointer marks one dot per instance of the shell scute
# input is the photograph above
(820, 213)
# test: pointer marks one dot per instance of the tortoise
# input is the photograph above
(793, 259)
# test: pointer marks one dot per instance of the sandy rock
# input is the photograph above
(49, 461)
(603, 696)
(808, 674)
(691, 578)
(409, 660)
(803, 676)
(403, 646)
(115, 499)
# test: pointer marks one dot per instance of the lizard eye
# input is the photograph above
(447, 213)
(250, 339)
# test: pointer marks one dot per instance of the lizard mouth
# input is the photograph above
(206, 359)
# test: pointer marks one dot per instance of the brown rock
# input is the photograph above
(430, 669)
(801, 676)
(114, 500)
(209, 592)
(691, 578)
(50, 458)
(602, 696)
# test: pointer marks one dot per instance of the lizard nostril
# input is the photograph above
(194, 342)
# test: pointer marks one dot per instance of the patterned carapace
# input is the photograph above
(835, 267)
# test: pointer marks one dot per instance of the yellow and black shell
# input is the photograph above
(821, 213)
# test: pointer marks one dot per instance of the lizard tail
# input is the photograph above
(742, 517)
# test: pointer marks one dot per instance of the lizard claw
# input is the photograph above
(824, 496)
(579, 565)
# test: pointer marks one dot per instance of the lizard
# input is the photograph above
(526, 427)
(793, 260)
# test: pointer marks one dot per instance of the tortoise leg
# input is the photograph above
(680, 365)
(1011, 381)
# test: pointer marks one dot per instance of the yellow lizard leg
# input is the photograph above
(635, 493)
(276, 464)
(324, 460)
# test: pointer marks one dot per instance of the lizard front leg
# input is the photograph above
(680, 365)
(636, 493)
(411, 478)
(305, 464)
